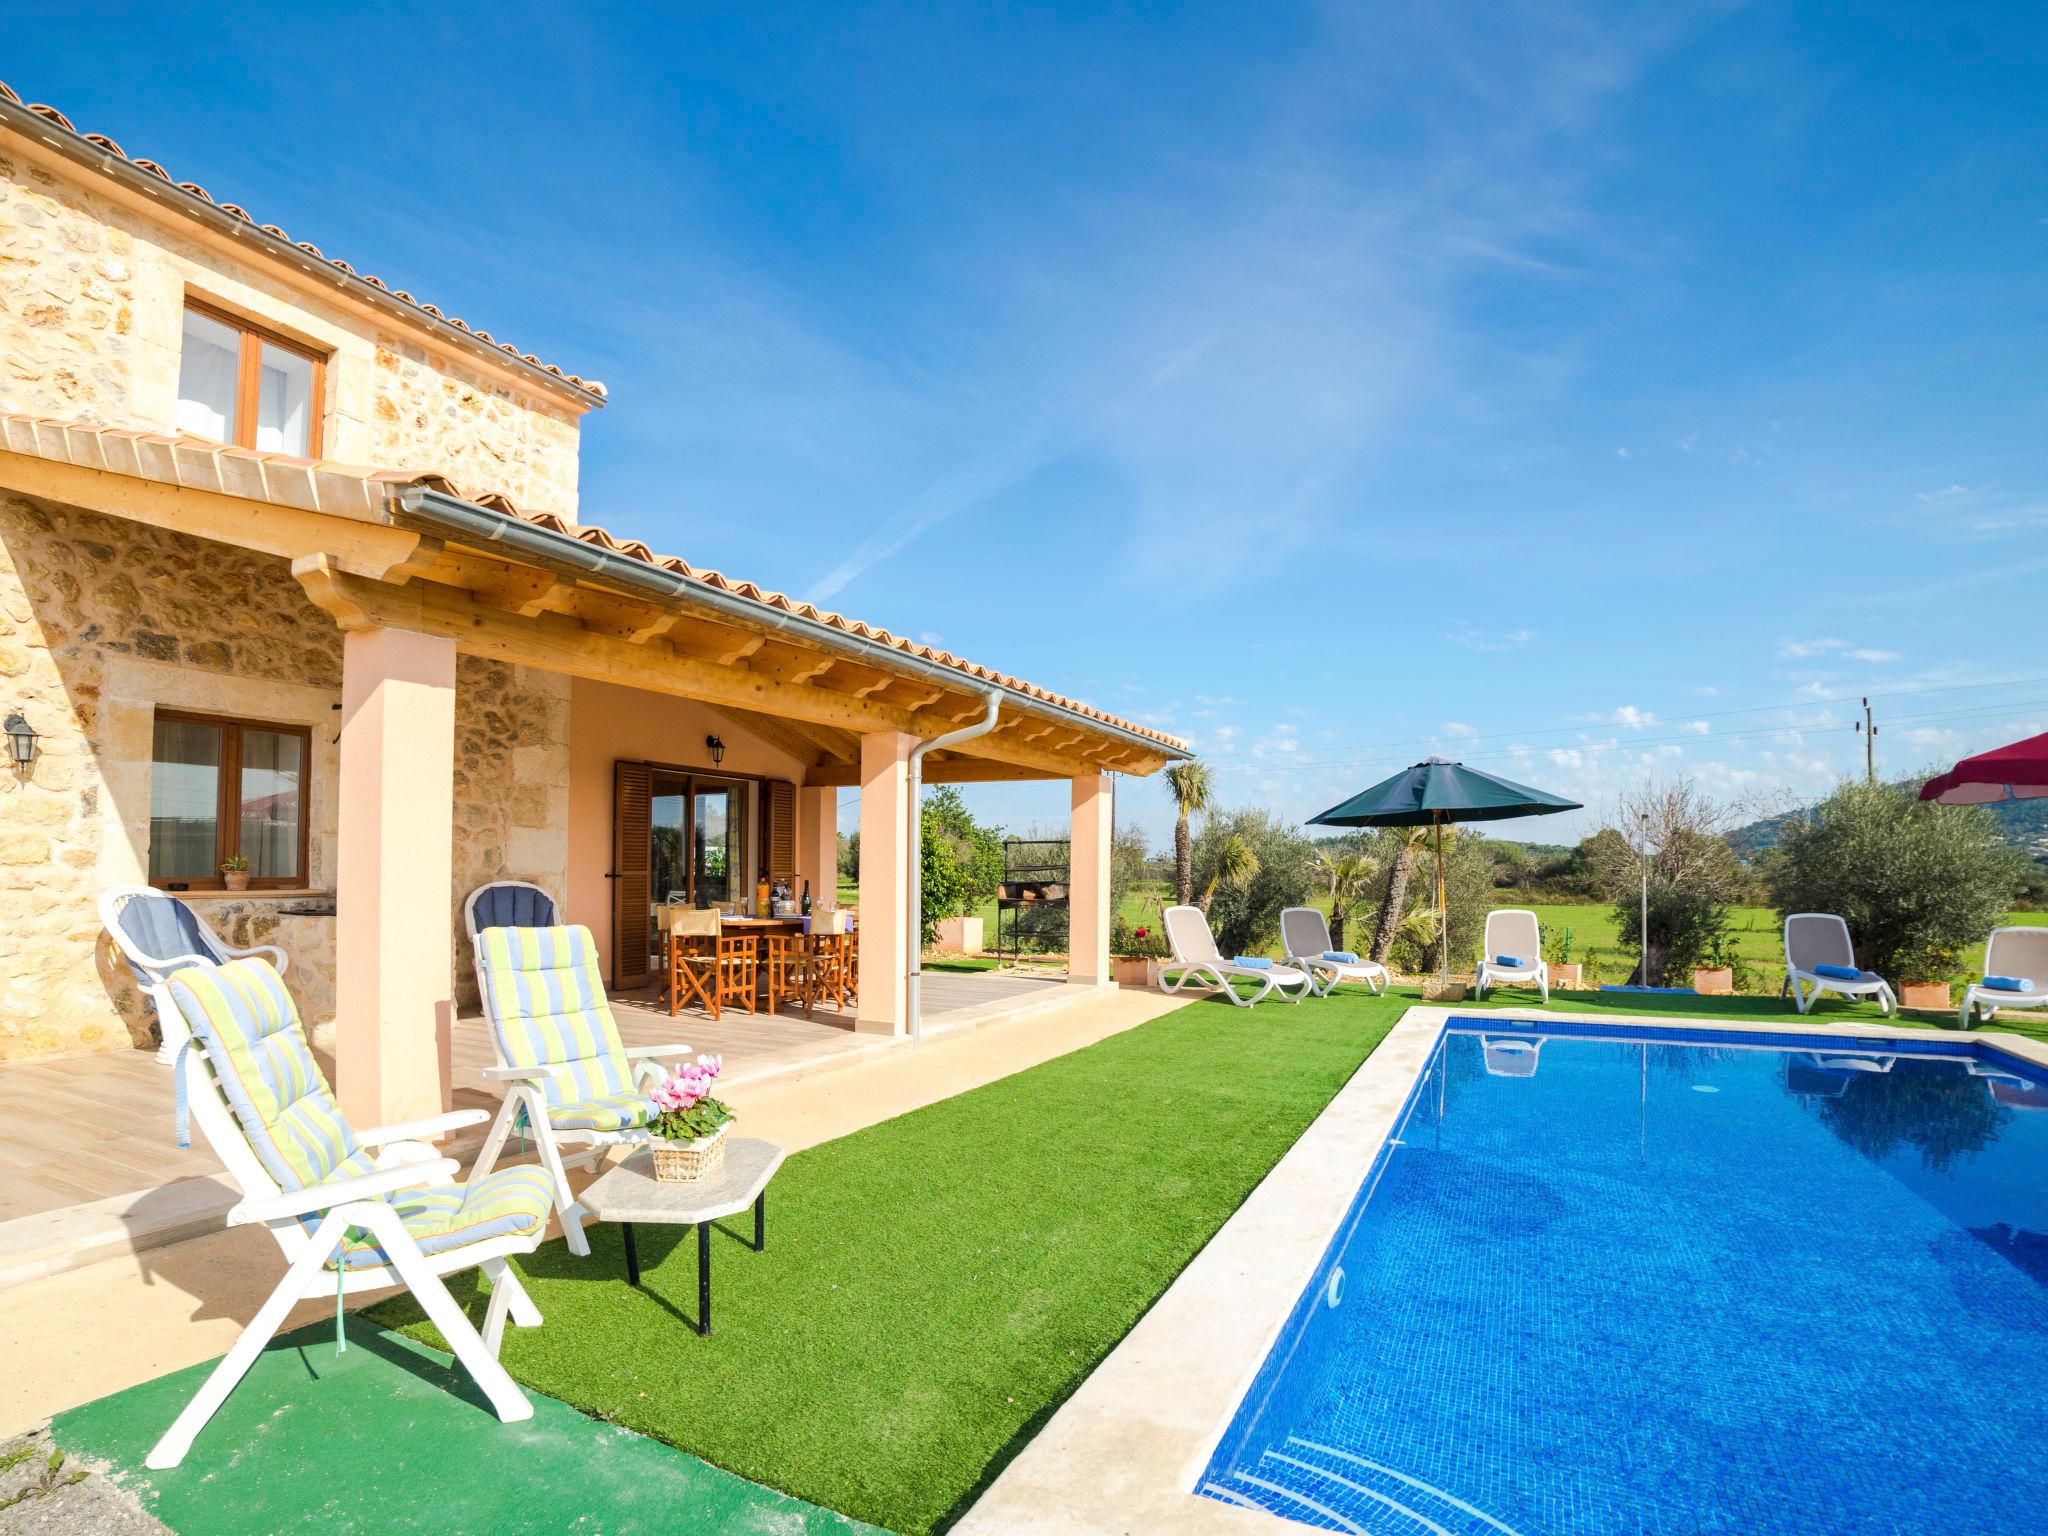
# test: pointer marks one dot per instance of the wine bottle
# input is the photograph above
(807, 898)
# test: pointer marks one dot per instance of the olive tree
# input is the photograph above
(1252, 864)
(1917, 883)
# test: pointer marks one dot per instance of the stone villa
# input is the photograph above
(292, 571)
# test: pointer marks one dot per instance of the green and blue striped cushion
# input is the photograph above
(246, 1022)
(627, 1112)
(440, 1216)
(548, 1007)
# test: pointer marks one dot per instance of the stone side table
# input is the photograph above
(630, 1193)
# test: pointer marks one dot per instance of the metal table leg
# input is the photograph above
(632, 1255)
(704, 1278)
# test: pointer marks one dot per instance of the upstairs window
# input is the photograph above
(240, 385)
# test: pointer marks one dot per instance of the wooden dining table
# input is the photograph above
(757, 927)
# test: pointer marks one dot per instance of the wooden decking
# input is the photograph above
(87, 1143)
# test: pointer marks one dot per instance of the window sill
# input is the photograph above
(266, 893)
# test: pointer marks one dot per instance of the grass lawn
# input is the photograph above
(935, 1286)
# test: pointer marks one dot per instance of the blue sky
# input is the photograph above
(1592, 393)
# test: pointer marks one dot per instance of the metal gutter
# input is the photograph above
(451, 516)
(914, 993)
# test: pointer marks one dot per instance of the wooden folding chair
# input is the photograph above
(690, 945)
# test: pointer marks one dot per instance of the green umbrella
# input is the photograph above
(1432, 793)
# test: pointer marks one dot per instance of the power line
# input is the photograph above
(1221, 758)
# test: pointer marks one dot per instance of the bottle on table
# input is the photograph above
(807, 899)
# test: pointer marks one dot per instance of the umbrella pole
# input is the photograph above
(1443, 911)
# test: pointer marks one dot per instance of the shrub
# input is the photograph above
(1917, 883)
(1695, 876)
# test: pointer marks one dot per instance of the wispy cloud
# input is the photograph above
(1801, 650)
(1477, 640)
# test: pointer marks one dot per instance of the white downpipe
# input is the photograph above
(913, 992)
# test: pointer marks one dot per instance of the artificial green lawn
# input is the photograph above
(936, 1285)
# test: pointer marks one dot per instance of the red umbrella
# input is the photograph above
(2016, 772)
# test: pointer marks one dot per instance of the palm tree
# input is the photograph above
(1412, 841)
(1236, 866)
(1189, 784)
(1347, 872)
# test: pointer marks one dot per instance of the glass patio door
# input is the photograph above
(695, 844)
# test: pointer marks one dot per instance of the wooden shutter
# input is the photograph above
(632, 813)
(781, 829)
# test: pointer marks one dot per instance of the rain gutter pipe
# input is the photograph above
(454, 517)
(914, 993)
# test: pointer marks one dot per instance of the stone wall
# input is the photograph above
(511, 787)
(101, 622)
(92, 297)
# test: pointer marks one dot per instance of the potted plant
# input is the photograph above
(1135, 954)
(1717, 977)
(1920, 979)
(1565, 972)
(234, 872)
(689, 1125)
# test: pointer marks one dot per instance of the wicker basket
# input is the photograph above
(682, 1162)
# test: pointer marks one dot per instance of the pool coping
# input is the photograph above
(1124, 1453)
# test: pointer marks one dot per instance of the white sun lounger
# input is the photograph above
(1305, 936)
(1197, 958)
(1514, 931)
(2011, 952)
(1821, 938)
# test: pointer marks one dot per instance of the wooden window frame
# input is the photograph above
(754, 784)
(227, 836)
(249, 374)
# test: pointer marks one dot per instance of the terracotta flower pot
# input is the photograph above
(1932, 995)
(1568, 978)
(235, 879)
(1134, 970)
(1714, 981)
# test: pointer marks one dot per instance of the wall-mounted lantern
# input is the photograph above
(21, 743)
(716, 747)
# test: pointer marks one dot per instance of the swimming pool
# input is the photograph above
(1673, 1282)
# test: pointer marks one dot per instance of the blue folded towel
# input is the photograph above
(1838, 972)
(2009, 983)
(1340, 956)
(1511, 962)
(1254, 962)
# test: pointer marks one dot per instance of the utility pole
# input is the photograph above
(1867, 729)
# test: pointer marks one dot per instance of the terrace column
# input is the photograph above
(885, 936)
(1088, 962)
(817, 842)
(394, 999)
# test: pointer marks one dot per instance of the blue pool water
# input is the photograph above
(1671, 1284)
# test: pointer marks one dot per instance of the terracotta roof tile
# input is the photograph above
(318, 485)
(192, 189)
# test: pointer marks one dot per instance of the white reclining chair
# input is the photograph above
(570, 1080)
(156, 933)
(380, 1206)
(1305, 936)
(1197, 958)
(1513, 934)
(2021, 953)
(1816, 939)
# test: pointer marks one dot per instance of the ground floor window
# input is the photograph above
(697, 842)
(227, 789)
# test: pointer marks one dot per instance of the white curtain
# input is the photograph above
(284, 403)
(206, 378)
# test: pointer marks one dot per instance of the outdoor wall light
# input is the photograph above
(717, 748)
(21, 743)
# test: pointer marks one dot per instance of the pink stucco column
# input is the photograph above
(817, 842)
(394, 1004)
(885, 937)
(1088, 914)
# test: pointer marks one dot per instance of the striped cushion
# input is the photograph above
(245, 1021)
(548, 1008)
(442, 1216)
(624, 1113)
